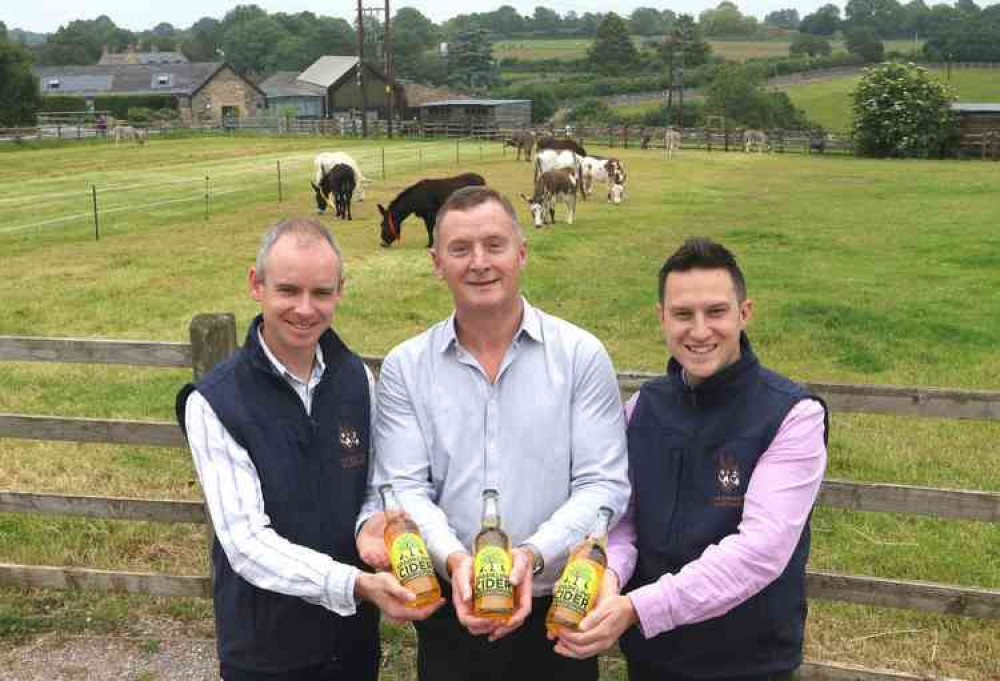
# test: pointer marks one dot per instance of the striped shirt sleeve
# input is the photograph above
(235, 503)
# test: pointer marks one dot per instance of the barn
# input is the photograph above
(977, 120)
(478, 114)
(338, 78)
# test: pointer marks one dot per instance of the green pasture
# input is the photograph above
(881, 272)
(731, 49)
(828, 100)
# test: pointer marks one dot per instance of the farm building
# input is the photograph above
(977, 118)
(285, 91)
(204, 91)
(478, 113)
(338, 78)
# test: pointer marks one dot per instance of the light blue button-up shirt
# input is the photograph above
(548, 434)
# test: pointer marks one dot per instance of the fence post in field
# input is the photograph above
(206, 198)
(279, 181)
(97, 226)
(213, 339)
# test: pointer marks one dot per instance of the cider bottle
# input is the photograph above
(492, 590)
(407, 552)
(576, 590)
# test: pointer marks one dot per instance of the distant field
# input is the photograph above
(829, 102)
(735, 50)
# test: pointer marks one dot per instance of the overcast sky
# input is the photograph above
(45, 16)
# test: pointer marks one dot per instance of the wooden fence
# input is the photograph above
(213, 337)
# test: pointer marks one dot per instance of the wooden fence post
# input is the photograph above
(213, 339)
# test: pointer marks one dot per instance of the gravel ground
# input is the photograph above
(163, 656)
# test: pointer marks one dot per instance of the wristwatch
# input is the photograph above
(537, 563)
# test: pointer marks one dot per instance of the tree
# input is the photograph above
(412, 35)
(19, 93)
(81, 42)
(726, 19)
(3, 32)
(646, 21)
(807, 43)
(249, 45)
(685, 44)
(885, 16)
(507, 21)
(737, 93)
(783, 18)
(865, 42)
(203, 40)
(824, 21)
(900, 110)
(613, 51)
(545, 21)
(470, 60)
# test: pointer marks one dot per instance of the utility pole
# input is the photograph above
(361, 69)
(680, 94)
(389, 94)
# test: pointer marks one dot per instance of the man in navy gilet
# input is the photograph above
(726, 459)
(280, 437)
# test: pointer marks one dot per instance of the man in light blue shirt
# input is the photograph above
(500, 395)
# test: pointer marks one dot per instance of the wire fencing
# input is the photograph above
(117, 201)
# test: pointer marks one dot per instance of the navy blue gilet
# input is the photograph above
(313, 472)
(692, 451)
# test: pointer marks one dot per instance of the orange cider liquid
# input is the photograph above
(410, 561)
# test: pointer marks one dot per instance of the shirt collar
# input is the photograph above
(319, 366)
(531, 324)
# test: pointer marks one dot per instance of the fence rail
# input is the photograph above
(213, 337)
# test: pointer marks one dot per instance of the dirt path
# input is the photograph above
(159, 652)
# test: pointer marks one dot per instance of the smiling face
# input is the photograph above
(298, 294)
(702, 319)
(480, 254)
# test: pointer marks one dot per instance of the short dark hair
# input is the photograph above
(302, 228)
(469, 197)
(701, 253)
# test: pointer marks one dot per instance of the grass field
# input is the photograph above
(734, 50)
(828, 101)
(862, 272)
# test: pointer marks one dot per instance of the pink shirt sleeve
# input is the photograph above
(779, 498)
(622, 553)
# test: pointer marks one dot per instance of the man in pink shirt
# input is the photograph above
(726, 459)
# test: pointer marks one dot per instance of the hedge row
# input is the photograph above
(118, 105)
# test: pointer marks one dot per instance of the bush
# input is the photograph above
(806, 43)
(62, 103)
(592, 111)
(899, 110)
(139, 116)
(119, 105)
(865, 42)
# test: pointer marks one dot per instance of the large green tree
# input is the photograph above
(80, 42)
(824, 21)
(900, 110)
(613, 51)
(726, 19)
(19, 93)
(865, 42)
(470, 60)
(685, 45)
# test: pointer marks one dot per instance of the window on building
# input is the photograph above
(163, 80)
(53, 84)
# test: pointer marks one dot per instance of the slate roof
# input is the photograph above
(326, 71)
(127, 79)
(287, 84)
(974, 107)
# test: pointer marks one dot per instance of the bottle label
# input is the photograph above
(577, 588)
(492, 568)
(409, 558)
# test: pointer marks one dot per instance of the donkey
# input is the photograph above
(424, 199)
(339, 183)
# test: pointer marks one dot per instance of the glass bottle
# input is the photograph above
(576, 590)
(494, 595)
(407, 552)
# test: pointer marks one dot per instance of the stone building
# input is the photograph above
(205, 92)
